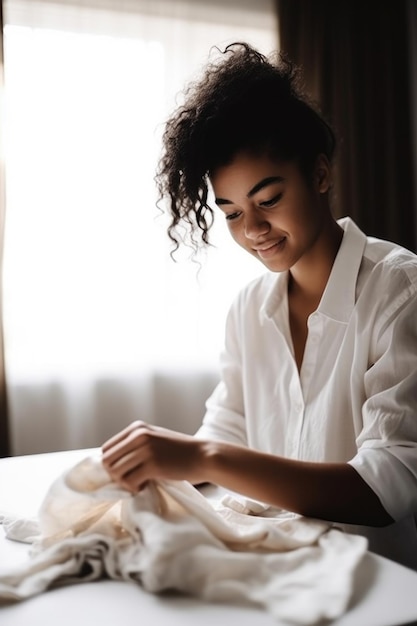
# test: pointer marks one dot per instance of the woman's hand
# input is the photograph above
(331, 491)
(142, 452)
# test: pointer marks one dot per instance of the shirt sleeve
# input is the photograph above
(387, 446)
(224, 418)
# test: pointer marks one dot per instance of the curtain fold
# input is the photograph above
(4, 425)
(356, 61)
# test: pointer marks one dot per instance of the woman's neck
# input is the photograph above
(308, 278)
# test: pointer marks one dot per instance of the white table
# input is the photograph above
(385, 593)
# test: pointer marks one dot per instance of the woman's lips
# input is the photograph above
(269, 249)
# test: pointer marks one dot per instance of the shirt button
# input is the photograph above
(314, 338)
(298, 407)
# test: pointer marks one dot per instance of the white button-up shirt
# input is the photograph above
(355, 398)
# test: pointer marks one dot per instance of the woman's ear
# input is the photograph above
(322, 174)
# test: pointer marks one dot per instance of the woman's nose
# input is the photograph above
(255, 225)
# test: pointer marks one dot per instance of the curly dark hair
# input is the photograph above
(243, 101)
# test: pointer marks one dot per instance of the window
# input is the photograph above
(90, 289)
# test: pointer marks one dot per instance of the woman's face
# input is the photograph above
(272, 211)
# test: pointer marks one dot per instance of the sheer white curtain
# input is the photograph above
(101, 326)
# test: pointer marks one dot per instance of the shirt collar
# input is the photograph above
(339, 295)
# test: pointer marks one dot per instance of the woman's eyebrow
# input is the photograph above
(264, 183)
(270, 180)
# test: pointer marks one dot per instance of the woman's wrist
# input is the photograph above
(210, 453)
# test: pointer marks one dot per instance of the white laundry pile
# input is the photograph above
(170, 537)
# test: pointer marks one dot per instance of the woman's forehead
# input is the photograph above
(247, 169)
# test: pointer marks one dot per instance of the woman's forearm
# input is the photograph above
(331, 491)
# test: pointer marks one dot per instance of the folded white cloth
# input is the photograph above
(170, 537)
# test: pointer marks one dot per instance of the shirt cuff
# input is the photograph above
(392, 474)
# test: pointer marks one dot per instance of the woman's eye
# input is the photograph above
(232, 216)
(272, 201)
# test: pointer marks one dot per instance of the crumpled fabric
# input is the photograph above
(170, 537)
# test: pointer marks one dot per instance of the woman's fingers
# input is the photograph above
(126, 456)
(136, 480)
(129, 440)
(141, 453)
(110, 443)
(126, 464)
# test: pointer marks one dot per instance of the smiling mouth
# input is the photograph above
(269, 250)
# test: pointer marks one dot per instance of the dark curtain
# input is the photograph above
(356, 61)
(4, 424)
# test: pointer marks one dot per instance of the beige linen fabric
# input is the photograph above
(170, 537)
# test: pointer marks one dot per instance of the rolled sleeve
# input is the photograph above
(387, 446)
(391, 474)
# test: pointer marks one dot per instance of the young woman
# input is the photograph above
(316, 408)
